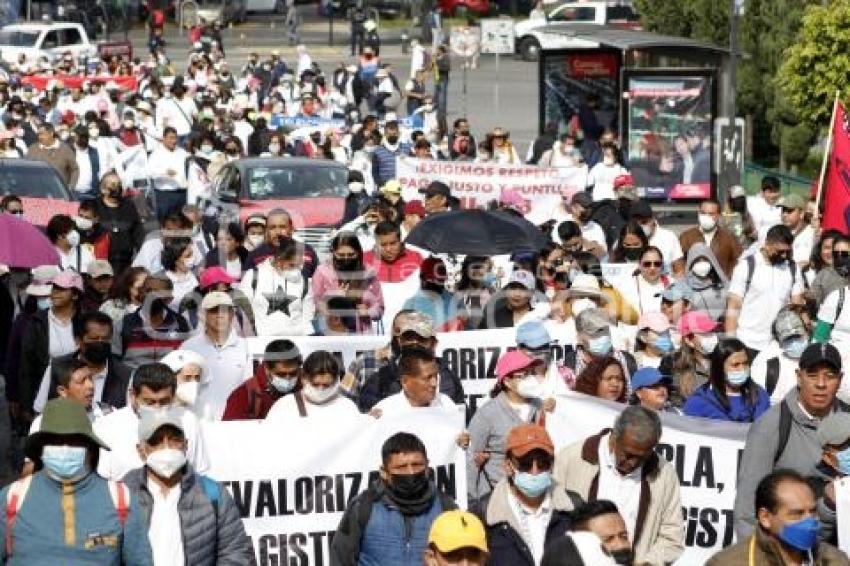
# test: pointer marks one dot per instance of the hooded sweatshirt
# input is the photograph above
(709, 293)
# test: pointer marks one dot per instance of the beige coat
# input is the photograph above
(766, 553)
(659, 530)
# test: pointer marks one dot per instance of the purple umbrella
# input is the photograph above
(23, 245)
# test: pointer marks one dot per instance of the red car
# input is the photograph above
(311, 190)
(42, 191)
(462, 8)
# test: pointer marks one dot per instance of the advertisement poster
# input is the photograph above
(669, 134)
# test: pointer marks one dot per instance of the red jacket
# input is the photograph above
(399, 270)
(251, 400)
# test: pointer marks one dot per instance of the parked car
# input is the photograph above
(40, 187)
(529, 37)
(464, 8)
(43, 39)
(311, 190)
(222, 11)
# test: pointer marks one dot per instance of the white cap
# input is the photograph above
(216, 299)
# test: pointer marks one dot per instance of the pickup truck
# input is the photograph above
(52, 40)
(530, 39)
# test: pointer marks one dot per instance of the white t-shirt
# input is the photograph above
(60, 336)
(641, 294)
(771, 288)
(72, 260)
(787, 371)
(803, 244)
(666, 241)
(164, 533)
(624, 491)
(337, 409)
(602, 178)
(183, 285)
(227, 368)
(764, 215)
(398, 404)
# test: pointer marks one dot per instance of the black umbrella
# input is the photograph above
(476, 232)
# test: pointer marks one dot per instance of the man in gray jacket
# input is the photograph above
(786, 436)
(175, 499)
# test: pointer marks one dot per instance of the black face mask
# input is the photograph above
(392, 139)
(96, 352)
(623, 556)
(778, 259)
(842, 266)
(632, 254)
(738, 204)
(409, 487)
(395, 346)
(347, 264)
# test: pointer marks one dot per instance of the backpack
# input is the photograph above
(751, 269)
(119, 493)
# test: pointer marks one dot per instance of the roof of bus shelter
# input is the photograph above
(628, 39)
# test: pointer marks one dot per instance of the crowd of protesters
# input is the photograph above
(116, 357)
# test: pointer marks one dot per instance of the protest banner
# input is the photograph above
(705, 454)
(292, 494)
(476, 184)
(842, 513)
(40, 82)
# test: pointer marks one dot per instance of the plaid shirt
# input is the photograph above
(362, 368)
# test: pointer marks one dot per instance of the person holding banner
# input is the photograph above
(389, 523)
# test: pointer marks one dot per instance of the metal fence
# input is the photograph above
(753, 174)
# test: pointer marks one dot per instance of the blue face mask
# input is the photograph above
(794, 348)
(843, 459)
(489, 279)
(663, 343)
(533, 485)
(64, 462)
(738, 377)
(802, 535)
(600, 346)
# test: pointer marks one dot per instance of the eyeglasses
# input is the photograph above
(651, 264)
(526, 463)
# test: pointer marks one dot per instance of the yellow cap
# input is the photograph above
(457, 529)
(392, 186)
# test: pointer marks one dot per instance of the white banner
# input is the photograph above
(842, 511)
(476, 184)
(705, 454)
(292, 493)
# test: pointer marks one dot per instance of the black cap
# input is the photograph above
(640, 209)
(437, 188)
(815, 354)
(583, 199)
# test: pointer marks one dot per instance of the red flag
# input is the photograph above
(836, 208)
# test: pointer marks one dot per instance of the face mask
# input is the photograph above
(707, 223)
(274, 148)
(802, 535)
(623, 556)
(701, 268)
(663, 343)
(43, 303)
(489, 279)
(166, 462)
(409, 487)
(778, 259)
(206, 149)
(83, 223)
(64, 462)
(94, 134)
(647, 228)
(319, 396)
(843, 459)
(97, 352)
(129, 124)
(738, 378)
(738, 204)
(392, 140)
(794, 348)
(283, 385)
(428, 107)
(345, 264)
(600, 346)
(632, 254)
(187, 392)
(256, 240)
(581, 305)
(73, 238)
(533, 485)
(63, 135)
(707, 344)
(842, 266)
(530, 388)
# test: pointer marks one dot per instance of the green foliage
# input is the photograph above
(669, 18)
(818, 63)
(795, 142)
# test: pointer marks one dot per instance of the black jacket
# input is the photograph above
(213, 258)
(125, 229)
(386, 381)
(34, 358)
(114, 388)
(507, 547)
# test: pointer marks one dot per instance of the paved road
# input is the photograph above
(503, 95)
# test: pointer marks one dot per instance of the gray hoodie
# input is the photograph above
(708, 294)
(801, 454)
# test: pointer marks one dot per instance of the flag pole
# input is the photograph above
(827, 150)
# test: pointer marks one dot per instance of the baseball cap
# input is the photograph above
(179, 359)
(41, 278)
(532, 334)
(586, 285)
(815, 354)
(788, 324)
(792, 201)
(255, 220)
(834, 429)
(737, 191)
(640, 209)
(414, 207)
(676, 291)
(436, 188)
(100, 268)
(152, 421)
(419, 323)
(457, 529)
(513, 361)
(655, 321)
(648, 377)
(593, 322)
(215, 275)
(392, 187)
(433, 270)
(524, 438)
(511, 198)
(623, 181)
(696, 322)
(216, 299)
(68, 279)
(523, 278)
(582, 198)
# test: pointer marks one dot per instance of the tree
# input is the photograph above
(818, 63)
(669, 18)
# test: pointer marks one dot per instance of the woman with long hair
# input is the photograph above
(689, 366)
(477, 284)
(630, 244)
(822, 268)
(730, 394)
(604, 378)
(177, 264)
(125, 298)
(346, 275)
(644, 287)
(230, 252)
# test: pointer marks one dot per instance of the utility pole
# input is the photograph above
(733, 55)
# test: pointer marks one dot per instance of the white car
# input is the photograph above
(530, 39)
(42, 39)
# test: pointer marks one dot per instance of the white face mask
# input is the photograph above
(707, 223)
(94, 133)
(83, 223)
(129, 124)
(206, 149)
(581, 305)
(73, 238)
(647, 228)
(256, 240)
(530, 388)
(283, 385)
(320, 396)
(187, 392)
(708, 343)
(274, 148)
(701, 268)
(166, 462)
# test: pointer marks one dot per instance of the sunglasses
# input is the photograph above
(526, 463)
(651, 264)
(841, 253)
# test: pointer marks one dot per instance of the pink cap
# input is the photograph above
(68, 279)
(512, 198)
(215, 275)
(655, 321)
(512, 361)
(102, 105)
(696, 322)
